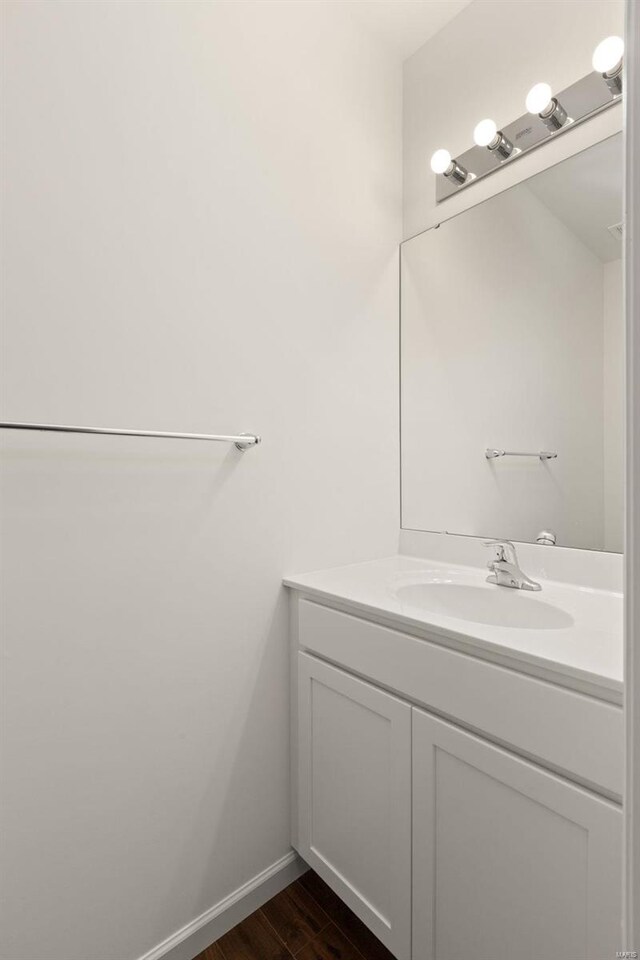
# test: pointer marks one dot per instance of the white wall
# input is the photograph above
(502, 346)
(482, 64)
(614, 407)
(202, 210)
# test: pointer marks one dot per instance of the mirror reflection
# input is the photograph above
(513, 362)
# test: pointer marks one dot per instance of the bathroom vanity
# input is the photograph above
(457, 754)
(457, 743)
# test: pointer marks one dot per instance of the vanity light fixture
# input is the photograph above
(441, 162)
(486, 134)
(607, 61)
(539, 100)
(598, 90)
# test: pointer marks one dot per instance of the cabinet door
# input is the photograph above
(355, 796)
(509, 861)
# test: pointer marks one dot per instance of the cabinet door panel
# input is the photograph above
(355, 796)
(508, 859)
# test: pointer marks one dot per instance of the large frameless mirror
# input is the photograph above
(512, 355)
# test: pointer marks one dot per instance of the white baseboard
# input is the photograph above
(188, 942)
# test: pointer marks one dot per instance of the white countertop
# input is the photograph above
(576, 636)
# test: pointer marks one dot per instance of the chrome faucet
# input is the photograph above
(505, 571)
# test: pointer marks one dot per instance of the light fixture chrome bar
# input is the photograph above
(491, 453)
(242, 441)
(581, 101)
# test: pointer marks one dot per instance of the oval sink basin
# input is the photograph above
(497, 606)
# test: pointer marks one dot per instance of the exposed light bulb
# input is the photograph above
(440, 161)
(485, 133)
(539, 98)
(608, 54)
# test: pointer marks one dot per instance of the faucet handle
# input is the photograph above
(503, 550)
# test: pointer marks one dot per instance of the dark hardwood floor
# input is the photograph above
(306, 921)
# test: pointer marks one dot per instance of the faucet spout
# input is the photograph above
(505, 570)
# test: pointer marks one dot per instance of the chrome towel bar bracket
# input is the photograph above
(492, 453)
(242, 441)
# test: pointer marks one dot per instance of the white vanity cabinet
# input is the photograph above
(446, 843)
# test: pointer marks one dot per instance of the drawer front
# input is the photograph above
(565, 730)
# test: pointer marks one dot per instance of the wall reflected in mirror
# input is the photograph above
(512, 338)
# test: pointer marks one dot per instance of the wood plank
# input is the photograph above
(344, 918)
(295, 916)
(314, 921)
(360, 935)
(330, 944)
(252, 939)
(320, 891)
(212, 952)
